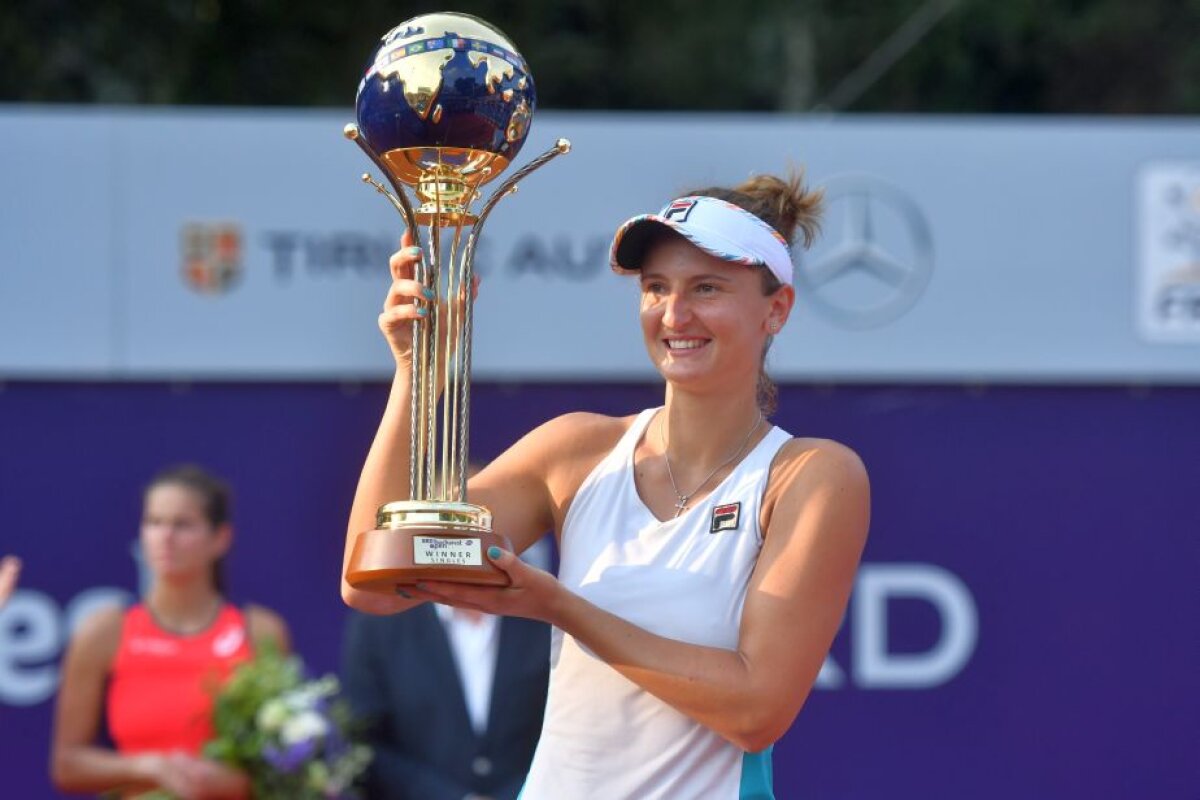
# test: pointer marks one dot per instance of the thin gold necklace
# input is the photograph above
(682, 499)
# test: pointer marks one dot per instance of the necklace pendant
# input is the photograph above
(681, 506)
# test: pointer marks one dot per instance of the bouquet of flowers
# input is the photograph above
(291, 736)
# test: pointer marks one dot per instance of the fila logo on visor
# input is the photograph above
(678, 210)
(726, 517)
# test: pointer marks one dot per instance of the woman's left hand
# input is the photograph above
(205, 779)
(532, 593)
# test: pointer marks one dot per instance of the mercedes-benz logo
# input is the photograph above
(875, 259)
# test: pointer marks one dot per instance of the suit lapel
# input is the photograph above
(510, 656)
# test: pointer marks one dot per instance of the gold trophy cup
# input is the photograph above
(444, 107)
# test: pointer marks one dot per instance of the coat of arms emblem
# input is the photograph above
(212, 256)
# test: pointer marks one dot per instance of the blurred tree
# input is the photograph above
(1033, 56)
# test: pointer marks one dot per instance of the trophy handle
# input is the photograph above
(561, 147)
(400, 199)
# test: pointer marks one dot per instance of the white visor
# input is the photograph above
(715, 226)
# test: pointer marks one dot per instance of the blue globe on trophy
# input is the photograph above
(446, 103)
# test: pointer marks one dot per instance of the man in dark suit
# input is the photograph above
(442, 725)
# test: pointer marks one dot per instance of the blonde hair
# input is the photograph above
(786, 204)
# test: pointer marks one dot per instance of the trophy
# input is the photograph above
(444, 107)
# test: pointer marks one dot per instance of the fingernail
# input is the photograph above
(403, 593)
(429, 295)
(412, 250)
(494, 552)
(420, 586)
(421, 311)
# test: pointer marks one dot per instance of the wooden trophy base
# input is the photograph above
(426, 541)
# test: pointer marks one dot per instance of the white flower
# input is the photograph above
(302, 727)
(306, 696)
(272, 715)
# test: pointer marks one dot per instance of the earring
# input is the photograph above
(774, 328)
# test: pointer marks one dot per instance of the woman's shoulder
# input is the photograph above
(263, 624)
(588, 428)
(824, 456)
(577, 435)
(565, 449)
(98, 635)
(807, 465)
(105, 621)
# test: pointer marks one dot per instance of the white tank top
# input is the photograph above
(685, 579)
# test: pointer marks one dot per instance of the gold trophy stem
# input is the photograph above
(421, 393)
(434, 320)
(458, 465)
(446, 352)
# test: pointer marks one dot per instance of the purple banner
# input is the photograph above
(1026, 623)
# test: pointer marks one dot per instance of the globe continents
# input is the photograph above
(446, 94)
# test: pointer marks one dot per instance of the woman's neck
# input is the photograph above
(183, 607)
(703, 430)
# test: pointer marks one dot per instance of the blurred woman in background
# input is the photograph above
(150, 671)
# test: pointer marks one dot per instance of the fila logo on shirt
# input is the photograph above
(678, 210)
(726, 517)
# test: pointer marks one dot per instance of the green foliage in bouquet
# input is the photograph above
(291, 736)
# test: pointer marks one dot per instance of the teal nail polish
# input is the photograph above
(422, 312)
(429, 295)
(412, 250)
(494, 552)
(403, 593)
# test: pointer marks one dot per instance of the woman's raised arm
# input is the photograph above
(385, 473)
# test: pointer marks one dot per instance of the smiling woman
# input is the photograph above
(772, 210)
(707, 556)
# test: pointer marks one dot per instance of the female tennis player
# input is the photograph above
(706, 555)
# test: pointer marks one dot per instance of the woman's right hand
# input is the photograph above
(190, 778)
(406, 301)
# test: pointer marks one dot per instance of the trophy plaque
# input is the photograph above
(444, 108)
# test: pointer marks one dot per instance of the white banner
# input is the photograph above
(188, 244)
